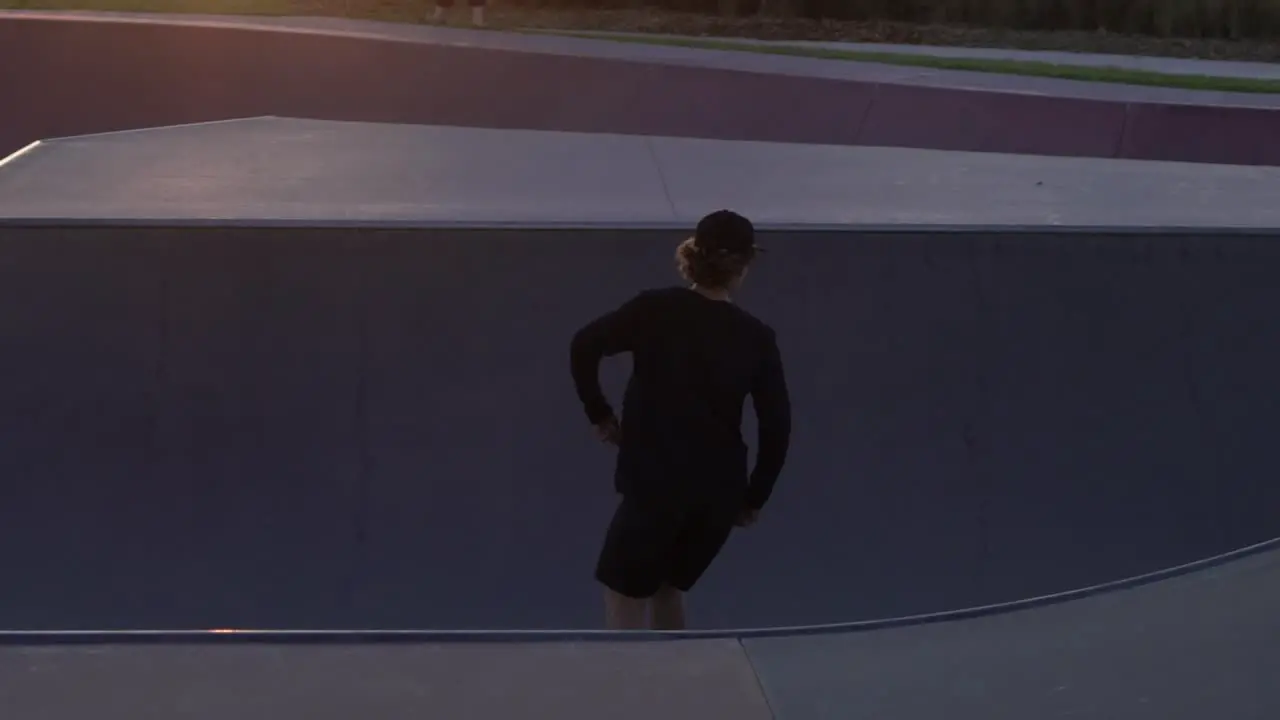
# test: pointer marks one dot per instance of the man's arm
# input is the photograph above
(610, 334)
(773, 420)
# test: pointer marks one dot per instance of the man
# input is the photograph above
(682, 463)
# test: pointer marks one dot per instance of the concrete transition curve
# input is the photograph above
(72, 74)
(353, 428)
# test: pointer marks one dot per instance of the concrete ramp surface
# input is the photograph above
(249, 427)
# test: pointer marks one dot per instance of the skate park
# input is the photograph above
(288, 356)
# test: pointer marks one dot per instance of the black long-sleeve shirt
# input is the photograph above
(695, 361)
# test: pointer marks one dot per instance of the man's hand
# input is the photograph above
(609, 431)
(748, 517)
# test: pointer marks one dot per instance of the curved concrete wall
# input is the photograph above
(353, 428)
(65, 76)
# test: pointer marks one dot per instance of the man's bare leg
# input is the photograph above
(622, 612)
(666, 609)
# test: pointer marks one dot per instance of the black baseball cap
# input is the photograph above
(726, 232)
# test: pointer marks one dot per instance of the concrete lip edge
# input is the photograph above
(333, 637)
(16, 155)
(134, 131)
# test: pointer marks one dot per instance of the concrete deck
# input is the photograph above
(307, 170)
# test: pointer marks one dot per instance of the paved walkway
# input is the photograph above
(1172, 66)
(1167, 65)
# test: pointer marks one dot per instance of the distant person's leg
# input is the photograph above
(477, 12)
(634, 561)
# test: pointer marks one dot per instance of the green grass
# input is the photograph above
(1030, 68)
(400, 11)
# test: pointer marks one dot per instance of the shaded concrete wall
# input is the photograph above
(347, 428)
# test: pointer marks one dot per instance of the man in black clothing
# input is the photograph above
(682, 463)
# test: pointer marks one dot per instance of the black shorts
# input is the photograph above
(651, 544)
